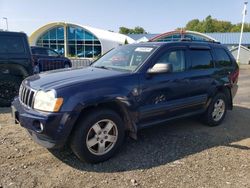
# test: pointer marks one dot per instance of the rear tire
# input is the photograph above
(98, 136)
(9, 87)
(216, 110)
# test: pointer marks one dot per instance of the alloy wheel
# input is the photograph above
(102, 137)
(219, 110)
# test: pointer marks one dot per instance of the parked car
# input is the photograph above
(15, 64)
(48, 59)
(88, 54)
(92, 108)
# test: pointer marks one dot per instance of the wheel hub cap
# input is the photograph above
(219, 110)
(102, 137)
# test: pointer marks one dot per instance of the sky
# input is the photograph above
(155, 16)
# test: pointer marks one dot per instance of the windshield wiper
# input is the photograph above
(101, 67)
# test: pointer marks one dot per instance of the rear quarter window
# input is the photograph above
(201, 59)
(13, 44)
(222, 58)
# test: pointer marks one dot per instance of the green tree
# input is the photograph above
(126, 41)
(237, 27)
(124, 30)
(136, 30)
(139, 30)
(222, 26)
(213, 25)
(208, 25)
(192, 25)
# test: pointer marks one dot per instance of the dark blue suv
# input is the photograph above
(129, 88)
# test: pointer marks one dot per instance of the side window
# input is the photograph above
(36, 51)
(52, 53)
(174, 57)
(39, 51)
(201, 59)
(11, 44)
(222, 58)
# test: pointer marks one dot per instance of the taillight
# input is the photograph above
(234, 76)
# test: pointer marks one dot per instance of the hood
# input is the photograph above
(65, 77)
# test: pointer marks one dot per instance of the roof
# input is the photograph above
(231, 38)
(157, 44)
(108, 35)
(139, 36)
(12, 33)
(224, 38)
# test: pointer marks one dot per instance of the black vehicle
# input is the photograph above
(15, 64)
(48, 59)
(129, 88)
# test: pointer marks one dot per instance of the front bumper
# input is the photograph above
(50, 130)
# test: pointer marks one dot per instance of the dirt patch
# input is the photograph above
(183, 154)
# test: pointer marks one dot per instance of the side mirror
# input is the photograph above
(161, 68)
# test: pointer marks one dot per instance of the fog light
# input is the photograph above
(38, 126)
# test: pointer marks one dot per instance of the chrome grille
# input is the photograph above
(26, 95)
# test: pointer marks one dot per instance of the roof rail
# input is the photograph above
(190, 39)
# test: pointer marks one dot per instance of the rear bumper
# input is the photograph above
(50, 130)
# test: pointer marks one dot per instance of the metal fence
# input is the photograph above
(52, 64)
(78, 62)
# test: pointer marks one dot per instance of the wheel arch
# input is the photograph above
(16, 70)
(227, 91)
(114, 105)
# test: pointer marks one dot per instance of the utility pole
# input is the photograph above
(244, 13)
(6, 21)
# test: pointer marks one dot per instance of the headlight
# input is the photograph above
(47, 101)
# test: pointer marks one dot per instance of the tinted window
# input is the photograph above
(52, 53)
(11, 44)
(39, 51)
(222, 58)
(174, 57)
(201, 59)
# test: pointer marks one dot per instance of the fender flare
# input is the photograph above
(113, 104)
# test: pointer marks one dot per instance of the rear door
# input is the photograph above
(227, 68)
(201, 74)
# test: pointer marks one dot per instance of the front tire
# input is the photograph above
(216, 110)
(98, 136)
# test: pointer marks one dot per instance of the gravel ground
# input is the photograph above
(183, 154)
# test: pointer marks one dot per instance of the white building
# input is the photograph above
(75, 40)
(244, 54)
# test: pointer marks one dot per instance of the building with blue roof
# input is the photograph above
(231, 40)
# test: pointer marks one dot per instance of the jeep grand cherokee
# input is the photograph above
(129, 88)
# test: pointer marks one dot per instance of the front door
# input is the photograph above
(165, 95)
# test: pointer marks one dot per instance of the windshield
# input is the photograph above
(124, 58)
